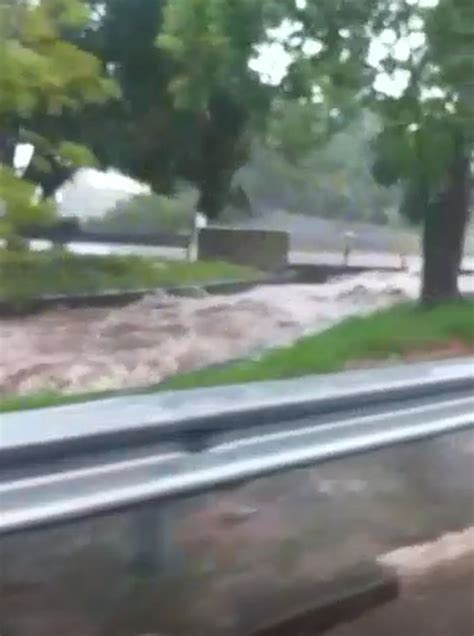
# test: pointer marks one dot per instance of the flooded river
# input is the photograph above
(143, 343)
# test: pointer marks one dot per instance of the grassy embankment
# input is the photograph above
(25, 275)
(396, 333)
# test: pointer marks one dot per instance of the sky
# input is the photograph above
(272, 59)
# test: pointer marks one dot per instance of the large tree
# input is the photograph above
(426, 142)
(172, 125)
(192, 102)
(214, 46)
(40, 75)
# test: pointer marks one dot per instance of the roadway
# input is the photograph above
(357, 258)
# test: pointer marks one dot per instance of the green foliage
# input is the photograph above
(40, 73)
(330, 180)
(192, 106)
(422, 125)
(26, 275)
(296, 128)
(76, 155)
(158, 133)
(19, 207)
(191, 103)
(212, 41)
(145, 213)
(39, 70)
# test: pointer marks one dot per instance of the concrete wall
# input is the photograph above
(265, 249)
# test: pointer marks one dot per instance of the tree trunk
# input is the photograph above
(52, 180)
(444, 231)
(7, 148)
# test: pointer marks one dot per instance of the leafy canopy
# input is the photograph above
(40, 73)
(430, 51)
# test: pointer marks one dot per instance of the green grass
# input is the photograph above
(389, 333)
(44, 399)
(25, 275)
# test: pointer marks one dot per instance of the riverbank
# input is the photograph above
(53, 356)
(28, 275)
(403, 333)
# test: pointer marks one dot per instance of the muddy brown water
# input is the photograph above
(74, 350)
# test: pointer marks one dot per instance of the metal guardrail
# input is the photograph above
(72, 461)
(73, 233)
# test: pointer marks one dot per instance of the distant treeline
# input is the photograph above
(333, 182)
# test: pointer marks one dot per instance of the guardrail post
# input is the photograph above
(142, 546)
(153, 551)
